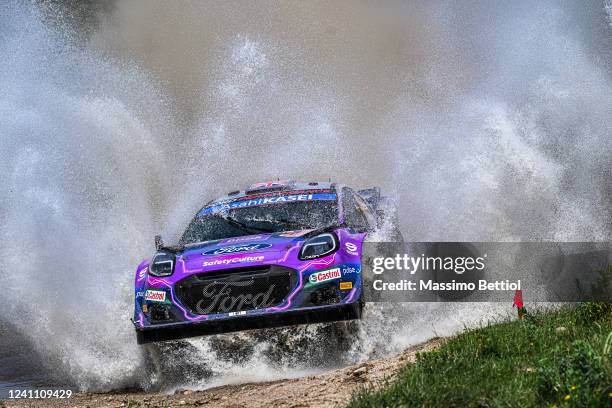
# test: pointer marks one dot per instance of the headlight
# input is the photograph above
(318, 246)
(162, 264)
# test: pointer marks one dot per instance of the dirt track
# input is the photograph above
(329, 389)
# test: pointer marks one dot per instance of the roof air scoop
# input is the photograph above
(270, 186)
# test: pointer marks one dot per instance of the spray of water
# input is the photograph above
(77, 151)
(485, 122)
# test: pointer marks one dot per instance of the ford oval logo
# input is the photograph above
(233, 249)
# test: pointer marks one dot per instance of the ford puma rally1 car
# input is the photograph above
(279, 253)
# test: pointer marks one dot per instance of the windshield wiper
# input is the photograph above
(244, 227)
(286, 223)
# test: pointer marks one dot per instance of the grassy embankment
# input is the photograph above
(552, 358)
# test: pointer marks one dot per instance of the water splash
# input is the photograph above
(79, 163)
(485, 122)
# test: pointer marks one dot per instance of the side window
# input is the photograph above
(353, 213)
(370, 220)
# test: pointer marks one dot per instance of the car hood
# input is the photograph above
(238, 252)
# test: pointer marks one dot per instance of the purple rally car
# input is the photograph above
(279, 253)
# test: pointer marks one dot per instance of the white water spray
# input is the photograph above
(483, 129)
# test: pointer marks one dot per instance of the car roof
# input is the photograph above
(274, 187)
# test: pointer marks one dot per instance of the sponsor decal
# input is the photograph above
(326, 275)
(349, 270)
(263, 201)
(233, 260)
(232, 249)
(346, 285)
(217, 297)
(142, 273)
(139, 294)
(155, 295)
(277, 193)
(351, 248)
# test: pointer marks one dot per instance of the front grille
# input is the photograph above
(235, 290)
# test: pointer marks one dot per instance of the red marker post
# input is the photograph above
(518, 302)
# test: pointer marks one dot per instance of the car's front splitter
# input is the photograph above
(321, 314)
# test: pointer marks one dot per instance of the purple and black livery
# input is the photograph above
(279, 253)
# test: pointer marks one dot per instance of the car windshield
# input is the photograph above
(261, 218)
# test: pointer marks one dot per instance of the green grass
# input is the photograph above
(532, 362)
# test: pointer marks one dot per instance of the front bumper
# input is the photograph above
(320, 314)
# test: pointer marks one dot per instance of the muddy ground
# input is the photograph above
(330, 389)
